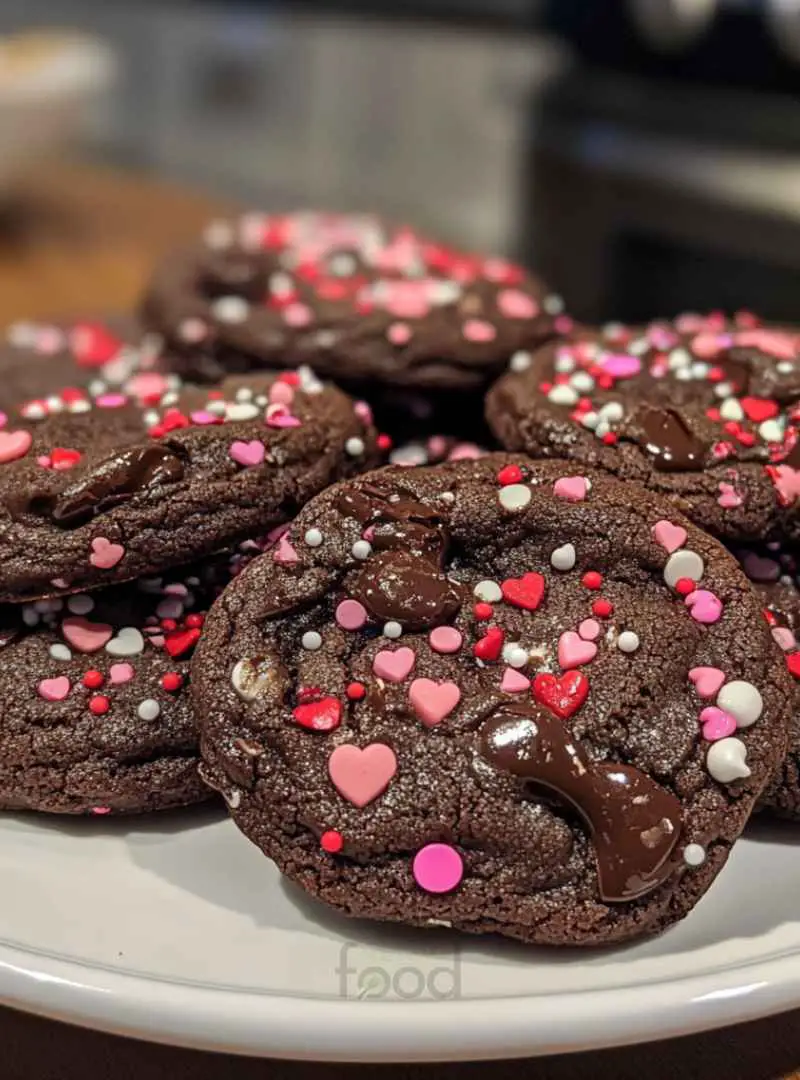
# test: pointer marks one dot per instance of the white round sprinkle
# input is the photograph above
(148, 709)
(678, 358)
(342, 265)
(694, 855)
(244, 393)
(723, 390)
(392, 629)
(448, 496)
(771, 431)
(564, 362)
(313, 537)
(612, 411)
(362, 549)
(81, 406)
(553, 304)
(169, 398)
(515, 656)
(684, 374)
(280, 284)
(216, 408)
(563, 558)
(514, 496)
(590, 420)
(683, 564)
(638, 346)
(726, 761)
(311, 640)
(60, 652)
(218, 235)
(699, 369)
(562, 395)
(730, 409)
(786, 367)
(520, 361)
(742, 700)
(488, 591)
(151, 417)
(242, 410)
(30, 616)
(628, 641)
(354, 446)
(230, 309)
(582, 381)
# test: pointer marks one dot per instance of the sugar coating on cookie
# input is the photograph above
(547, 716)
(105, 484)
(357, 298)
(704, 410)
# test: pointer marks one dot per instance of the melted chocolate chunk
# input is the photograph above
(664, 435)
(411, 590)
(635, 823)
(116, 480)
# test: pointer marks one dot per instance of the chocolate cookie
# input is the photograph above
(776, 577)
(386, 313)
(40, 359)
(703, 411)
(97, 489)
(497, 695)
(95, 713)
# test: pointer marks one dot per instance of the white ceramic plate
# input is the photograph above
(177, 929)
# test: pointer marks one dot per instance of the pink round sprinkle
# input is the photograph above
(363, 412)
(297, 315)
(465, 452)
(146, 385)
(478, 330)
(437, 868)
(515, 304)
(446, 639)
(399, 333)
(621, 366)
(589, 629)
(3, 419)
(351, 615)
(437, 446)
(281, 393)
(44, 460)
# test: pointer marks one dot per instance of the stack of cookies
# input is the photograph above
(536, 691)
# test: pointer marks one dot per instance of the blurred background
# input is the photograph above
(643, 154)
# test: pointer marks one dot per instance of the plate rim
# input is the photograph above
(206, 1017)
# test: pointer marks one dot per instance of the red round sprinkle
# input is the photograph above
(793, 664)
(602, 608)
(168, 624)
(511, 474)
(99, 705)
(770, 617)
(384, 442)
(592, 580)
(93, 679)
(331, 841)
(605, 382)
(483, 611)
(610, 438)
(746, 438)
(685, 585)
(195, 620)
(172, 681)
(730, 427)
(356, 691)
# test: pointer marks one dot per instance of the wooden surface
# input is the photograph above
(81, 240)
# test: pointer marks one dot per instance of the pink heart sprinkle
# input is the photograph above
(479, 331)
(297, 315)
(446, 639)
(707, 680)
(399, 333)
(85, 636)
(54, 689)
(13, 445)
(514, 682)
(284, 553)
(573, 488)
(517, 305)
(704, 606)
(281, 419)
(728, 498)
(589, 629)
(120, 673)
(351, 615)
(621, 366)
(202, 418)
(574, 651)
(104, 554)
(433, 701)
(669, 536)
(361, 775)
(110, 401)
(247, 453)
(394, 665)
(717, 724)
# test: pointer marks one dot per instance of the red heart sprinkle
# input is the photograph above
(793, 664)
(93, 345)
(181, 641)
(511, 474)
(758, 409)
(325, 715)
(62, 458)
(525, 592)
(490, 645)
(563, 694)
